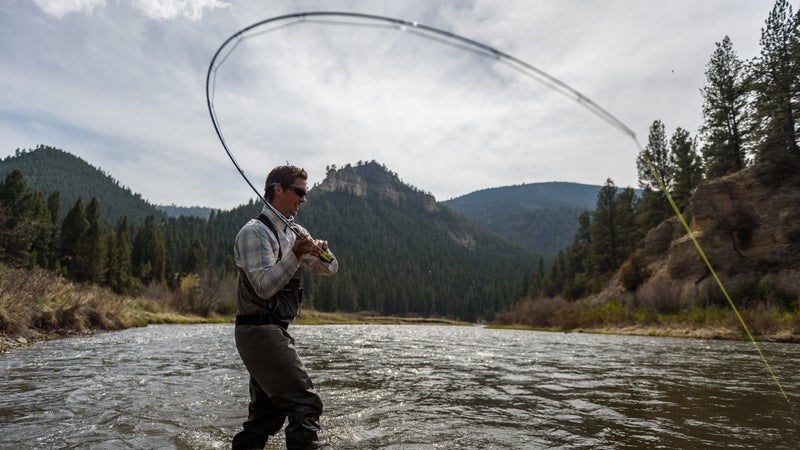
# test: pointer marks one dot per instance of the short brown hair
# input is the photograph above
(283, 175)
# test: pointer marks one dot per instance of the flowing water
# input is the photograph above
(406, 387)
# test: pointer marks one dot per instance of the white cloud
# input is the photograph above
(59, 8)
(169, 9)
(154, 9)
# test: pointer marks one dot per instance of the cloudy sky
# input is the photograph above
(121, 84)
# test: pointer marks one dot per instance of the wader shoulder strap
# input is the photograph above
(270, 225)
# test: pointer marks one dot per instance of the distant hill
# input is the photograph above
(48, 169)
(176, 211)
(542, 217)
(402, 253)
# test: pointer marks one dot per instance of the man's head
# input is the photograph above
(285, 189)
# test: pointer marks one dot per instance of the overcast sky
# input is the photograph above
(121, 84)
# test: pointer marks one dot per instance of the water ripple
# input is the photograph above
(405, 387)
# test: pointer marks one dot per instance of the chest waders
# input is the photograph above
(280, 387)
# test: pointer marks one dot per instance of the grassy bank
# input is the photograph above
(35, 304)
(313, 317)
(765, 322)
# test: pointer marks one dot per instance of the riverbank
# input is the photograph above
(676, 331)
(37, 305)
(144, 318)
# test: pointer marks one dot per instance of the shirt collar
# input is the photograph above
(267, 211)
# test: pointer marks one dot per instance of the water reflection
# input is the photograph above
(409, 387)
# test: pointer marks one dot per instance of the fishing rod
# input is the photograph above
(462, 43)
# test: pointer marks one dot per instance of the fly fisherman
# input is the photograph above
(269, 258)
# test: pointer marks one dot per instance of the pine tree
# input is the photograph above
(776, 84)
(194, 258)
(149, 254)
(686, 167)
(73, 228)
(41, 229)
(24, 225)
(727, 117)
(657, 153)
(582, 244)
(613, 229)
(654, 207)
(119, 277)
(91, 254)
(54, 208)
(536, 287)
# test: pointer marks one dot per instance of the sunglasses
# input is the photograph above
(298, 191)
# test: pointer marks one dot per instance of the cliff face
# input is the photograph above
(748, 225)
(377, 182)
(374, 179)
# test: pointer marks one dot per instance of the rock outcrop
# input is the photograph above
(376, 180)
(748, 226)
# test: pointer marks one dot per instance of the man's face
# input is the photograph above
(288, 199)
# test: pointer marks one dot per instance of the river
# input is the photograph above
(406, 387)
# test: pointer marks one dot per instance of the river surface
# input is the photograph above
(406, 387)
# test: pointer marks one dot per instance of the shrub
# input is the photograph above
(661, 296)
(751, 293)
(633, 273)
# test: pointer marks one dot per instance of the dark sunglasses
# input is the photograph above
(298, 191)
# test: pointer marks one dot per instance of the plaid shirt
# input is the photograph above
(256, 252)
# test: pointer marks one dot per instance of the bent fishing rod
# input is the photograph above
(324, 256)
(466, 44)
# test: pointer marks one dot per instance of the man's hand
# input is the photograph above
(304, 246)
(320, 246)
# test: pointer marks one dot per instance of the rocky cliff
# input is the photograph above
(375, 179)
(748, 225)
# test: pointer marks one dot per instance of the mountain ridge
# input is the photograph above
(541, 217)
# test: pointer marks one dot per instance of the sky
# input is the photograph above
(122, 84)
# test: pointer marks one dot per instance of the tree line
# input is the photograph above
(751, 114)
(78, 245)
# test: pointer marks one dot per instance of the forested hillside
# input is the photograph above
(542, 217)
(401, 253)
(49, 169)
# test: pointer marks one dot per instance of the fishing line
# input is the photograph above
(450, 39)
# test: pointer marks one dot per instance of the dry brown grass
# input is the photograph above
(38, 304)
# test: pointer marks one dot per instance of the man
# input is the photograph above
(269, 257)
